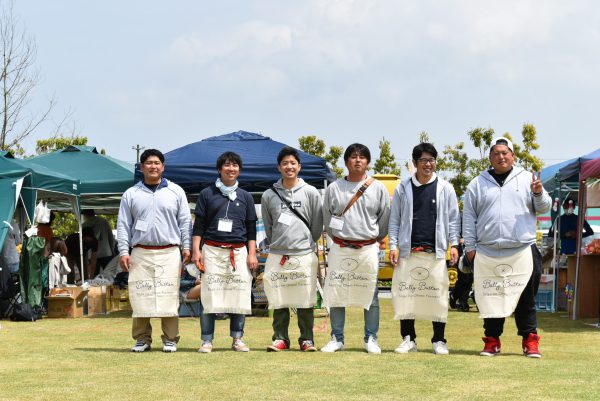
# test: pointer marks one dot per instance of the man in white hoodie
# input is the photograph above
(293, 220)
(424, 221)
(499, 221)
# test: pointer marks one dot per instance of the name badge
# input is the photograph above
(225, 225)
(336, 223)
(141, 225)
(285, 219)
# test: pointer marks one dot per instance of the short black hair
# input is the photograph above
(231, 157)
(88, 212)
(567, 200)
(424, 147)
(152, 152)
(359, 148)
(288, 151)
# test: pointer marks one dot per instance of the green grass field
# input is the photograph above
(89, 359)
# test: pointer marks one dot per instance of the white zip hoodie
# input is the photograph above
(500, 220)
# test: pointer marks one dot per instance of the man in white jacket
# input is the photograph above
(499, 230)
(424, 221)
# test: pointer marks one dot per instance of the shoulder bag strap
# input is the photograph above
(357, 195)
(297, 213)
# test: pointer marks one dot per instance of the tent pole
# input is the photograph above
(580, 217)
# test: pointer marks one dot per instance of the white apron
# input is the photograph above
(499, 282)
(420, 288)
(351, 276)
(293, 285)
(225, 290)
(154, 282)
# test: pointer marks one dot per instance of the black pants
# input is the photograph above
(462, 288)
(407, 328)
(525, 314)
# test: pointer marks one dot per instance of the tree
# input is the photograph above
(524, 154)
(18, 79)
(386, 163)
(58, 142)
(316, 147)
(460, 169)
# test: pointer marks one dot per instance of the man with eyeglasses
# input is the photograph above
(154, 220)
(499, 230)
(424, 221)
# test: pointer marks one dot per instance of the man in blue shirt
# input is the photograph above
(568, 228)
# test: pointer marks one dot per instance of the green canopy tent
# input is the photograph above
(35, 182)
(102, 179)
(11, 180)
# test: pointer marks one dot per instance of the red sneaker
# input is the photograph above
(531, 346)
(492, 346)
(307, 346)
(278, 345)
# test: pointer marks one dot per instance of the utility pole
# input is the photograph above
(137, 149)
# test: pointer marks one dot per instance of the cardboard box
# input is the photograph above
(97, 304)
(119, 299)
(66, 302)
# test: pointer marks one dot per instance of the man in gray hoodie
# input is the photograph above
(293, 220)
(356, 210)
(499, 221)
(424, 222)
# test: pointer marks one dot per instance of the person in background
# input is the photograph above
(90, 252)
(104, 235)
(44, 230)
(58, 266)
(568, 228)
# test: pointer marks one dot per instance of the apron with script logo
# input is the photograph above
(225, 290)
(154, 282)
(420, 288)
(351, 276)
(499, 282)
(293, 284)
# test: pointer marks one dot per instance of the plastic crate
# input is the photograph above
(543, 301)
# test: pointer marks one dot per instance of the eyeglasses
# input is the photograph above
(426, 161)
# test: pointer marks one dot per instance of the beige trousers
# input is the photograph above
(141, 329)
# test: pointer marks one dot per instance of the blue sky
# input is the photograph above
(164, 74)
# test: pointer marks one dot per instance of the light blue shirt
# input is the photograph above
(154, 218)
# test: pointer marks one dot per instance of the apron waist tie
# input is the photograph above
(227, 245)
(346, 243)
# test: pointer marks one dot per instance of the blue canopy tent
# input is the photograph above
(193, 166)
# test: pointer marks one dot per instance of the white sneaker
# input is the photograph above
(140, 346)
(239, 346)
(440, 348)
(206, 347)
(333, 345)
(372, 347)
(169, 346)
(406, 346)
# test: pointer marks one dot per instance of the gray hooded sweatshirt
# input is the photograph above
(447, 225)
(294, 238)
(499, 220)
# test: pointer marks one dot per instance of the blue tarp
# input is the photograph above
(193, 166)
(572, 169)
